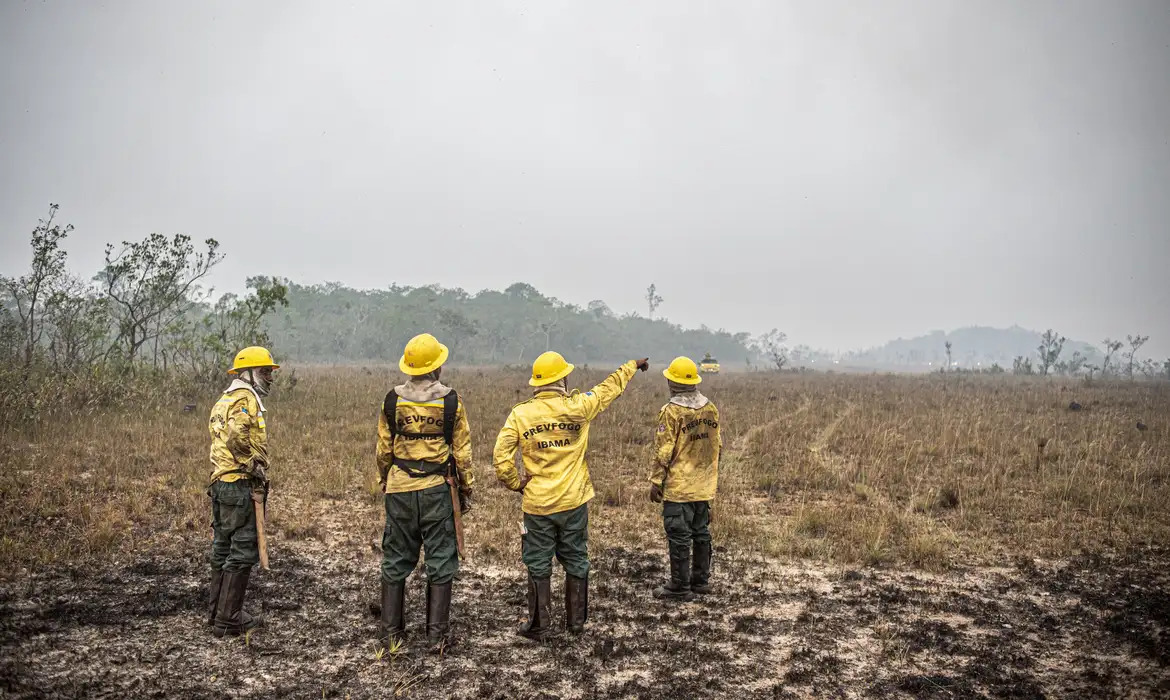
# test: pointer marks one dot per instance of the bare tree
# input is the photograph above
(549, 324)
(1110, 346)
(771, 345)
(78, 325)
(1049, 350)
(1135, 344)
(1073, 365)
(653, 301)
(149, 283)
(31, 291)
(948, 346)
(1022, 365)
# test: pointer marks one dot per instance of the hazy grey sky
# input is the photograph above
(847, 171)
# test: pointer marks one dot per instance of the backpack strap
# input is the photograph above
(450, 406)
(390, 410)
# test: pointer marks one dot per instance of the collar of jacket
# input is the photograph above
(552, 389)
(241, 384)
(422, 390)
(691, 399)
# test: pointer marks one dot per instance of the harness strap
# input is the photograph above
(418, 468)
(245, 472)
(390, 410)
(415, 467)
(450, 405)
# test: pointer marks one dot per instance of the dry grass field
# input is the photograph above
(937, 536)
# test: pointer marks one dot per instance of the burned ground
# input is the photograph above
(876, 537)
(1088, 627)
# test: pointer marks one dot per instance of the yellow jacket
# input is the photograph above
(551, 430)
(239, 435)
(686, 449)
(420, 410)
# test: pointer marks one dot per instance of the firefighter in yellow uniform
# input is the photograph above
(423, 438)
(551, 431)
(239, 462)
(684, 478)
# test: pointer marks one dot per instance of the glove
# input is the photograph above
(655, 493)
(260, 483)
(260, 493)
(258, 472)
(643, 364)
(464, 501)
(523, 482)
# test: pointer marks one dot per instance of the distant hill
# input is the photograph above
(975, 346)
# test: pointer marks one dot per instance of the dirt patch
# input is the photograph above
(1089, 627)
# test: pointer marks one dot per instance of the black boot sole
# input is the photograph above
(682, 596)
(221, 632)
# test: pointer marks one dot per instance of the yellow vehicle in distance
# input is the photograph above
(709, 365)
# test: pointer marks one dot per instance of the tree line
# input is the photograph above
(70, 342)
(1111, 364)
(334, 323)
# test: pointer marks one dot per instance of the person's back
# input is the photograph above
(693, 456)
(423, 439)
(418, 446)
(684, 478)
(551, 432)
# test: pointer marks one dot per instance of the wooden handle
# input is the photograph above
(259, 506)
(458, 515)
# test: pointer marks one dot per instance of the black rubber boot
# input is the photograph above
(392, 623)
(576, 603)
(701, 568)
(679, 587)
(230, 618)
(213, 595)
(533, 609)
(439, 614)
(539, 610)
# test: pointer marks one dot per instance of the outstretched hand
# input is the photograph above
(643, 364)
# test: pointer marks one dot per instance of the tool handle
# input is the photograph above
(458, 508)
(261, 536)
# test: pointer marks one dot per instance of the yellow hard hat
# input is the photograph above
(252, 357)
(682, 370)
(548, 368)
(424, 354)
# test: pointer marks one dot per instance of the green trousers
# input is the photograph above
(687, 522)
(234, 546)
(417, 519)
(565, 534)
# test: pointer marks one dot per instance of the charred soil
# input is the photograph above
(1088, 627)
